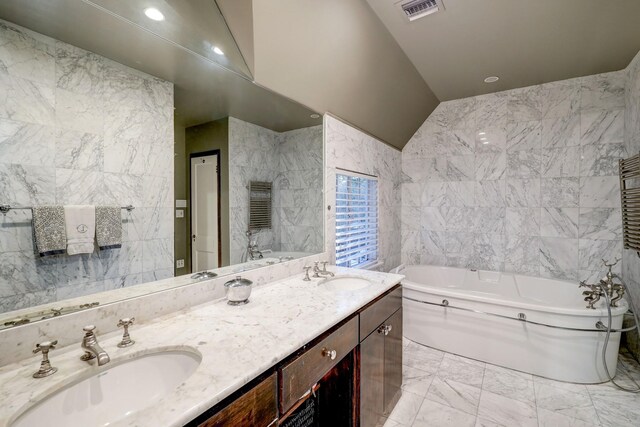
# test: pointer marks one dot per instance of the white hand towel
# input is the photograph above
(80, 222)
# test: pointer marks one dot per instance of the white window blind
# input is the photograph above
(356, 220)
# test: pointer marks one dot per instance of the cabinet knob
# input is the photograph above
(385, 329)
(329, 353)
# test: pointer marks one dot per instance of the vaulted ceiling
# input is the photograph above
(522, 42)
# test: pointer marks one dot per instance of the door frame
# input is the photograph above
(218, 174)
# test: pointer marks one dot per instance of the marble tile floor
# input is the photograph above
(442, 389)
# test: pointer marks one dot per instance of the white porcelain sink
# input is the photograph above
(344, 283)
(112, 394)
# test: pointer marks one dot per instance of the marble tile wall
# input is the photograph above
(77, 128)
(299, 185)
(292, 161)
(349, 148)
(522, 181)
(630, 260)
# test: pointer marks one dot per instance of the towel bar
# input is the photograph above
(6, 208)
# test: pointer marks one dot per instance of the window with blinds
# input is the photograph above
(356, 220)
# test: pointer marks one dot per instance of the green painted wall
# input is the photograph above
(199, 139)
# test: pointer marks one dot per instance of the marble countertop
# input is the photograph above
(237, 343)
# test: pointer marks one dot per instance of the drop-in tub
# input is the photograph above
(531, 324)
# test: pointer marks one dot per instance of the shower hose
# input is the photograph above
(608, 334)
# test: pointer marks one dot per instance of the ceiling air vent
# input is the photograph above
(415, 9)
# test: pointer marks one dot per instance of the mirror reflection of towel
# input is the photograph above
(108, 227)
(49, 230)
(80, 223)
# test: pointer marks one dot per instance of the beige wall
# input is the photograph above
(336, 56)
(199, 139)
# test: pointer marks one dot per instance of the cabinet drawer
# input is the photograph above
(374, 315)
(257, 407)
(302, 373)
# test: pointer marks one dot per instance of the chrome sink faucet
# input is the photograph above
(317, 272)
(91, 347)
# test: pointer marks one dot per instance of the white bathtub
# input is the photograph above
(481, 321)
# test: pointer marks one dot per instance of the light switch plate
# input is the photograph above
(179, 213)
(179, 263)
(181, 203)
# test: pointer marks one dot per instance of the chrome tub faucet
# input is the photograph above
(91, 347)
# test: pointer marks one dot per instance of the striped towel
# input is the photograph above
(108, 227)
(49, 230)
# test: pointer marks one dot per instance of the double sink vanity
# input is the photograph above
(320, 352)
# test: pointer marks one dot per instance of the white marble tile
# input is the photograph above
(27, 185)
(465, 372)
(603, 91)
(407, 408)
(490, 139)
(126, 156)
(524, 104)
(548, 418)
(560, 99)
(490, 166)
(560, 192)
(505, 411)
(524, 136)
(490, 193)
(420, 357)
(559, 222)
(416, 381)
(561, 162)
(592, 252)
(26, 143)
(523, 221)
(79, 112)
(491, 110)
(523, 164)
(78, 150)
(434, 414)
(523, 193)
(460, 168)
(575, 404)
(25, 56)
(600, 192)
(522, 252)
(559, 256)
(78, 70)
(561, 132)
(78, 187)
(509, 383)
(600, 224)
(601, 159)
(602, 127)
(26, 101)
(455, 395)
(460, 193)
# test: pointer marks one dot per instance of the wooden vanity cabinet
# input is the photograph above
(380, 358)
(257, 407)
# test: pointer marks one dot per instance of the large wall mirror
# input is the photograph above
(108, 104)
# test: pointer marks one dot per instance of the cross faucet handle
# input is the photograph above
(306, 269)
(126, 338)
(45, 346)
(45, 366)
(606, 264)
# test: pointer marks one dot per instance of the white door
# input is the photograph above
(204, 213)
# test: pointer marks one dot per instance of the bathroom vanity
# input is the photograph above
(320, 352)
(351, 375)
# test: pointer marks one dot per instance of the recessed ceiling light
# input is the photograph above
(153, 13)
(217, 50)
(315, 116)
(491, 79)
